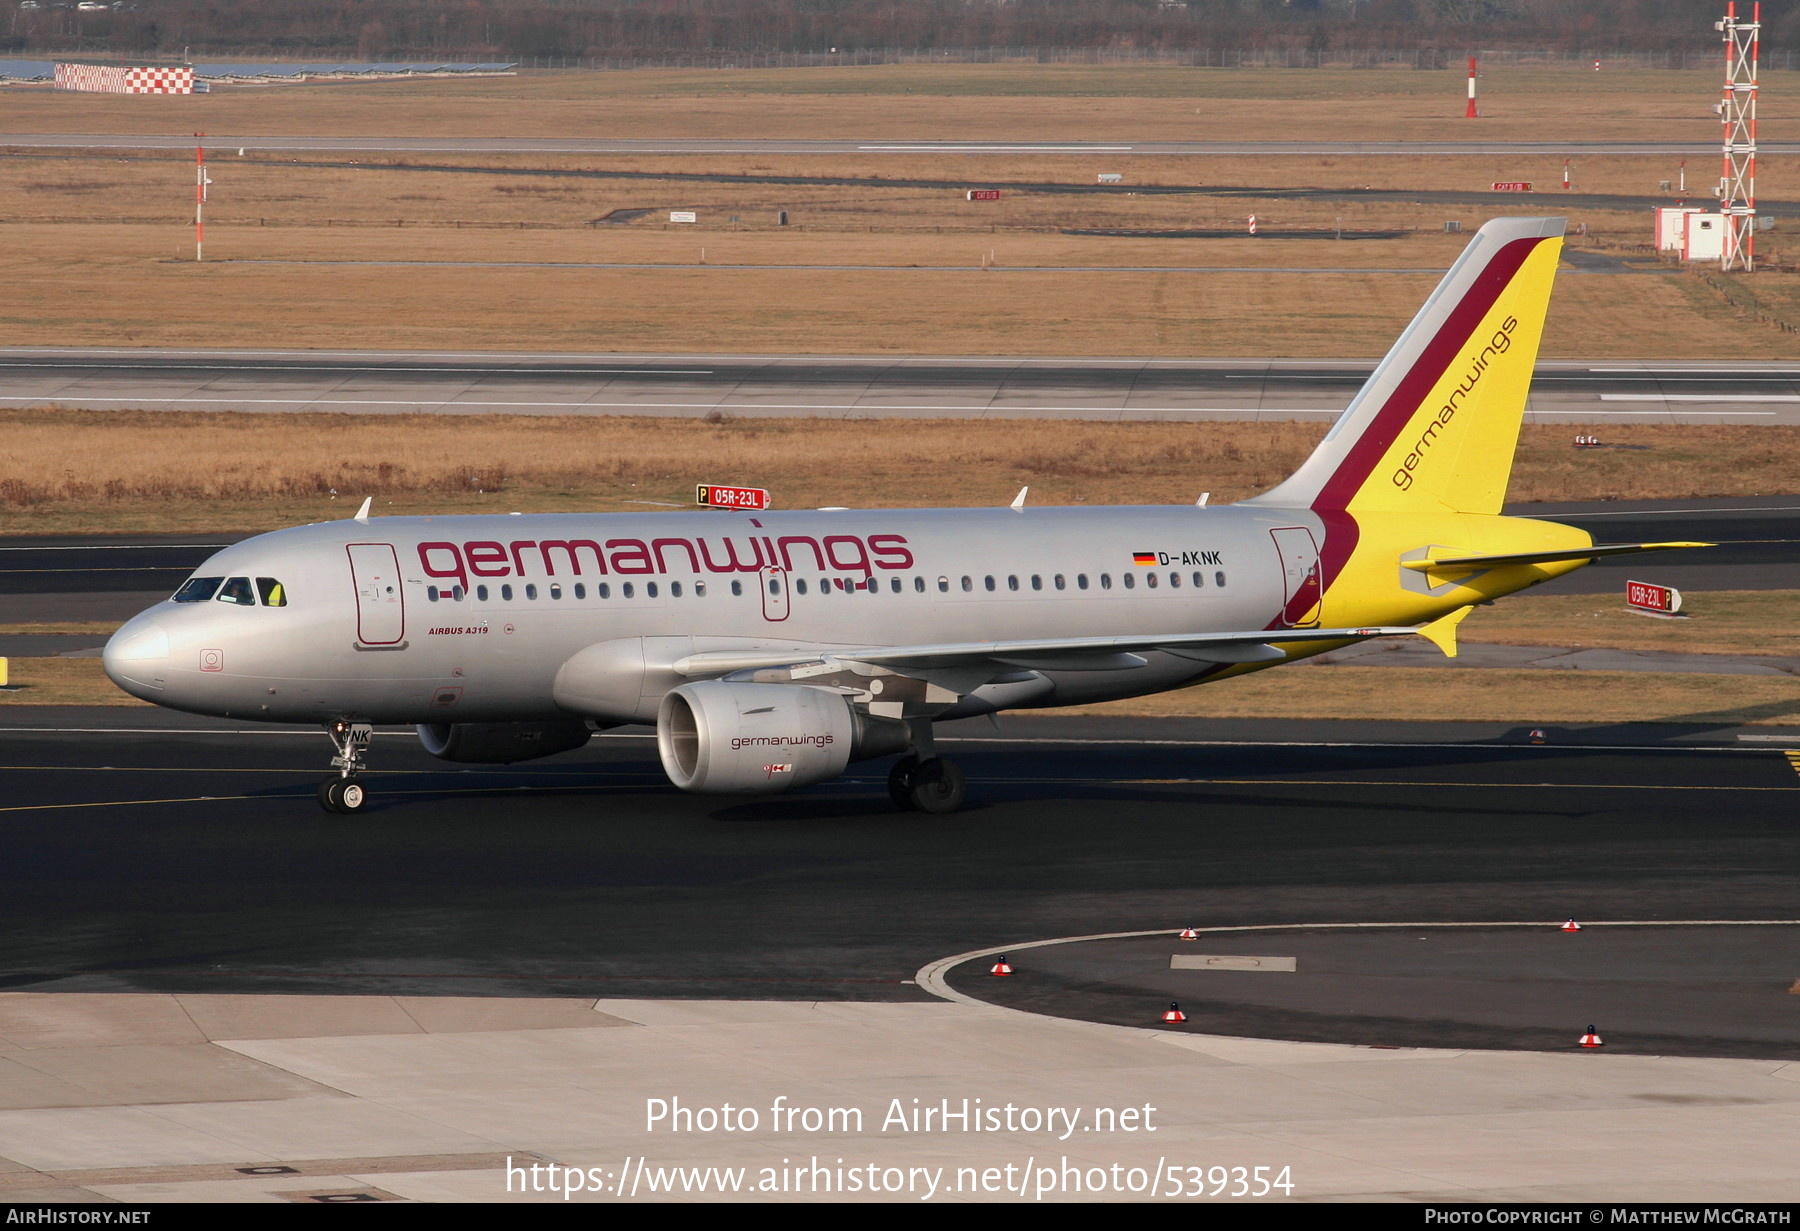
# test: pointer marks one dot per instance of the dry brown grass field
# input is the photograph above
(1444, 694)
(90, 471)
(1720, 622)
(120, 285)
(952, 102)
(92, 245)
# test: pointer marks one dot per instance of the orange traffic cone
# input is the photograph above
(1174, 1014)
(1571, 926)
(1189, 934)
(1001, 967)
(1590, 1039)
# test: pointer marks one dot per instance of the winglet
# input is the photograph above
(1019, 500)
(1441, 632)
(362, 514)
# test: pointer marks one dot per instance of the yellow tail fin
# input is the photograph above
(1435, 427)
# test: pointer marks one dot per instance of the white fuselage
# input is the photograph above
(470, 619)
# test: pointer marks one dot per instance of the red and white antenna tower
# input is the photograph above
(1737, 187)
(1471, 113)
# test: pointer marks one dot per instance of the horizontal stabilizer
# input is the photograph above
(1449, 563)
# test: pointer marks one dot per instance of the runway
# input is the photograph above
(854, 145)
(954, 387)
(153, 852)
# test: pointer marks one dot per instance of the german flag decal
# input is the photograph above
(1145, 558)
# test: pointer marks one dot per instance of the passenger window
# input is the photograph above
(699, 589)
(1150, 580)
(197, 589)
(237, 590)
(799, 586)
(737, 589)
(580, 590)
(989, 582)
(894, 584)
(649, 589)
(919, 585)
(1037, 583)
(431, 594)
(968, 583)
(603, 590)
(1199, 580)
(1174, 581)
(555, 591)
(1081, 581)
(943, 585)
(1106, 581)
(1129, 580)
(1012, 583)
(274, 594)
(674, 589)
(481, 593)
(506, 594)
(1060, 585)
(1219, 580)
(627, 590)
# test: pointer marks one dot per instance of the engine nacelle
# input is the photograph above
(501, 743)
(756, 739)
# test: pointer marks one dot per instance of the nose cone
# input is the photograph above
(137, 657)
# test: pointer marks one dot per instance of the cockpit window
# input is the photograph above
(237, 590)
(197, 589)
(274, 594)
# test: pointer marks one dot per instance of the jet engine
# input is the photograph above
(725, 738)
(501, 743)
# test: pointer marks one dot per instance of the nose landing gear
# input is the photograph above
(346, 793)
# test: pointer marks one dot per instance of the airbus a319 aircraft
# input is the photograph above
(771, 649)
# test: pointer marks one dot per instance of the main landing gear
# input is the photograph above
(935, 786)
(346, 793)
(923, 781)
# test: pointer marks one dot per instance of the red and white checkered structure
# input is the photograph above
(125, 79)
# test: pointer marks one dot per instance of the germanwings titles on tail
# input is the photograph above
(771, 649)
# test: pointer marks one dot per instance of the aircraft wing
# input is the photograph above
(1049, 654)
(1438, 564)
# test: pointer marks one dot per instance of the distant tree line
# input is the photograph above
(509, 29)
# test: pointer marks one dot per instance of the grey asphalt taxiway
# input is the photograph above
(152, 852)
(1589, 393)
